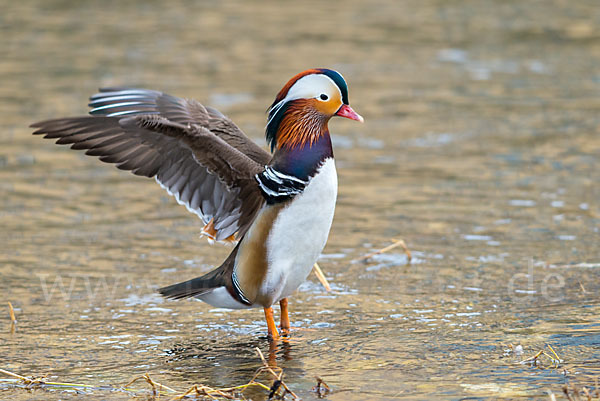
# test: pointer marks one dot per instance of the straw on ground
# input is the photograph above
(395, 243)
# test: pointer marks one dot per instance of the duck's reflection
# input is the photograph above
(225, 362)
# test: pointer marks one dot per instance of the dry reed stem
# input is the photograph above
(553, 357)
(146, 377)
(27, 381)
(11, 312)
(275, 375)
(322, 389)
(558, 360)
(532, 359)
(321, 277)
(23, 378)
(40, 381)
(396, 243)
(13, 319)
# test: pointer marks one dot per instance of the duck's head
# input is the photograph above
(302, 109)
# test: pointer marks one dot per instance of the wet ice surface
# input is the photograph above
(480, 150)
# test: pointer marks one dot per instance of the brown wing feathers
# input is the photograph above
(124, 101)
(198, 155)
(229, 164)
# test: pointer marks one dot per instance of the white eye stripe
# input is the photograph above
(311, 87)
(308, 87)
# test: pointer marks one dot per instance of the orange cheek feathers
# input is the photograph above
(303, 124)
(327, 108)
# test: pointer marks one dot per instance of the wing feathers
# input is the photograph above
(197, 154)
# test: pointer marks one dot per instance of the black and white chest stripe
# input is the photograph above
(277, 186)
(238, 290)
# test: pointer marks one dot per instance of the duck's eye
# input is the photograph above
(323, 96)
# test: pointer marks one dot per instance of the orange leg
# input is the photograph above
(273, 334)
(285, 318)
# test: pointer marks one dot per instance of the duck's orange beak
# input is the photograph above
(346, 111)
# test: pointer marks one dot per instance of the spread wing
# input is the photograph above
(196, 153)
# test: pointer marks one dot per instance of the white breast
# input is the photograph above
(299, 234)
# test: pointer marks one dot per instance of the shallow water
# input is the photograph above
(480, 150)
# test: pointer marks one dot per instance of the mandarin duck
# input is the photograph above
(276, 208)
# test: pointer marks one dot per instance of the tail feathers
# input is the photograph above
(219, 277)
(187, 289)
